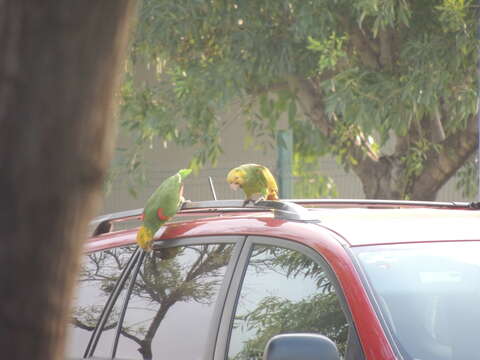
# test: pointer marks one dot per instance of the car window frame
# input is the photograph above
(112, 299)
(222, 344)
(128, 277)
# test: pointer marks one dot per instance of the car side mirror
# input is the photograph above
(300, 347)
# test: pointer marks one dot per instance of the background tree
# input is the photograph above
(350, 76)
(58, 68)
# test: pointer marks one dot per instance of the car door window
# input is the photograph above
(99, 273)
(172, 302)
(284, 291)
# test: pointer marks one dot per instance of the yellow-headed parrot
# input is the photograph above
(256, 181)
(164, 203)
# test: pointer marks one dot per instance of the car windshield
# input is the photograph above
(429, 297)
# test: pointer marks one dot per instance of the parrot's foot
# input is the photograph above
(258, 200)
(182, 199)
(146, 247)
(182, 203)
(246, 201)
(254, 202)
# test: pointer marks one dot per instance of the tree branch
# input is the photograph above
(438, 133)
(76, 322)
(310, 99)
(131, 337)
(440, 166)
(259, 90)
(365, 47)
(386, 47)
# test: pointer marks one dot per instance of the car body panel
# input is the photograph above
(319, 238)
(333, 234)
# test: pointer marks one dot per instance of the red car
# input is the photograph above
(306, 279)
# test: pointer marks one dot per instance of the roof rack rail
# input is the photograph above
(282, 209)
(386, 203)
(291, 209)
(103, 224)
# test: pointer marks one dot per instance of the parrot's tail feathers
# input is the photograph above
(144, 238)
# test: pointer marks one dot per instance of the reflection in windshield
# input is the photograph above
(429, 295)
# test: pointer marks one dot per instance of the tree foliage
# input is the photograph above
(348, 75)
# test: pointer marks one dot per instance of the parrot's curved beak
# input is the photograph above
(234, 186)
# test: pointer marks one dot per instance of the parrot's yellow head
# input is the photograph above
(236, 178)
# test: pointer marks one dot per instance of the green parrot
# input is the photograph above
(255, 180)
(163, 204)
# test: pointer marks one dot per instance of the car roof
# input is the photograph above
(355, 222)
(360, 226)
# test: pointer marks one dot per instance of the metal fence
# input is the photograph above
(197, 188)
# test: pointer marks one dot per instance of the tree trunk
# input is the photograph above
(380, 178)
(59, 62)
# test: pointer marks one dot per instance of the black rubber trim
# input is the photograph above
(92, 343)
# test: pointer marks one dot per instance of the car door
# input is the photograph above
(282, 286)
(170, 303)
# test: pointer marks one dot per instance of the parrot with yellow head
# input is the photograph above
(255, 180)
(162, 205)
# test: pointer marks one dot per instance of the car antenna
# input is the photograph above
(212, 188)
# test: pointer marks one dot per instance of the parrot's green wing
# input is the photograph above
(258, 180)
(260, 176)
(255, 181)
(165, 201)
(160, 207)
(262, 181)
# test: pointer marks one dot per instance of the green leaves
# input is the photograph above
(376, 68)
(310, 181)
(416, 156)
(454, 14)
(330, 51)
(379, 14)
